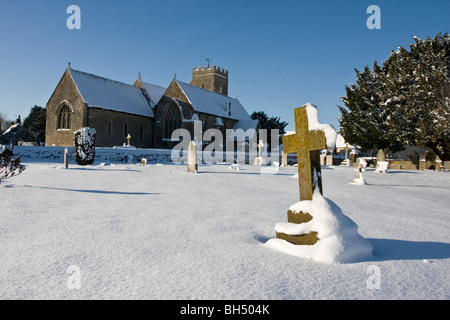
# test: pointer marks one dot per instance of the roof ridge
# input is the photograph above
(101, 77)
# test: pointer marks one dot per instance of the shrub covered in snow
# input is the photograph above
(84, 151)
(9, 165)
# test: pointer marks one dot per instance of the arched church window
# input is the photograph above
(64, 117)
(172, 120)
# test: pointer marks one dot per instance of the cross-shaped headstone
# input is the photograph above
(260, 146)
(307, 144)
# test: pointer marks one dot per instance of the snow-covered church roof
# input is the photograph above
(154, 91)
(213, 103)
(111, 95)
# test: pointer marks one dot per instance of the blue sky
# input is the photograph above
(279, 54)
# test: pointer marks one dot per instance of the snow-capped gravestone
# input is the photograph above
(84, 150)
(316, 228)
(192, 165)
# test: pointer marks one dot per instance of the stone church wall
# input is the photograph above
(65, 93)
(113, 128)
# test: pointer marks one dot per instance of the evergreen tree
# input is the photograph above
(365, 122)
(406, 101)
(35, 122)
(418, 82)
(268, 124)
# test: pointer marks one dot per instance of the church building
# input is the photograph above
(147, 112)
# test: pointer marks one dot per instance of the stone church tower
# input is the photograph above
(211, 78)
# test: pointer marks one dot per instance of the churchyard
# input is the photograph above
(153, 230)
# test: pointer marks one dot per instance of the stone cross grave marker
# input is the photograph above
(192, 158)
(128, 140)
(307, 144)
(260, 146)
(258, 161)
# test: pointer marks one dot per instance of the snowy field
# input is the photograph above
(157, 232)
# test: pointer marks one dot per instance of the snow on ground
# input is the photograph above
(157, 232)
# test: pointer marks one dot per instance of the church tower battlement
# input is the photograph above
(211, 78)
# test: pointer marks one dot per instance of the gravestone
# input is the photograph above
(360, 167)
(446, 165)
(352, 158)
(128, 140)
(192, 165)
(382, 164)
(259, 160)
(284, 159)
(346, 161)
(381, 156)
(66, 158)
(307, 144)
(316, 229)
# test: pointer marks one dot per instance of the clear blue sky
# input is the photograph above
(280, 54)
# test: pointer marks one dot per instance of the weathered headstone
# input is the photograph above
(316, 229)
(307, 144)
(381, 156)
(192, 166)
